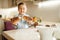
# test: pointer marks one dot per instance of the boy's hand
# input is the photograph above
(28, 19)
(15, 20)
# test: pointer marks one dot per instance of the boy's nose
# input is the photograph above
(22, 10)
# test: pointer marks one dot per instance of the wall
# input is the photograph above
(5, 3)
(48, 11)
(0, 3)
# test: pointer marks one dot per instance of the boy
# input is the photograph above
(22, 12)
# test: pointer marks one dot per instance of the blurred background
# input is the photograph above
(47, 10)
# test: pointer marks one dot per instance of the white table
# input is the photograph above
(46, 33)
(21, 34)
(57, 33)
(56, 30)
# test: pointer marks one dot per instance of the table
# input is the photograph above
(21, 34)
(46, 33)
(56, 29)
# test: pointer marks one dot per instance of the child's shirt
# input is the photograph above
(22, 23)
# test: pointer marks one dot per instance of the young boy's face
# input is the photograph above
(22, 9)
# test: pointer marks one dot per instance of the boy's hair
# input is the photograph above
(21, 3)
